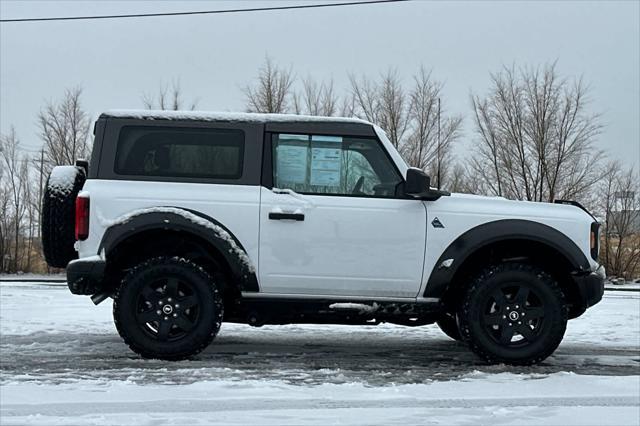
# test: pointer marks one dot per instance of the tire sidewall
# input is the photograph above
(553, 324)
(210, 309)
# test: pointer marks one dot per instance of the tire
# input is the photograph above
(513, 313)
(59, 215)
(187, 298)
(449, 326)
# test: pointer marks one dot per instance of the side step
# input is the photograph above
(259, 310)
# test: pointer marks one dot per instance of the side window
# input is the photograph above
(333, 165)
(180, 152)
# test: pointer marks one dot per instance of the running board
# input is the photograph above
(258, 309)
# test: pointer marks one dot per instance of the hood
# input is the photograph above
(503, 208)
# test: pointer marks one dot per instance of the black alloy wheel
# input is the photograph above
(168, 308)
(513, 313)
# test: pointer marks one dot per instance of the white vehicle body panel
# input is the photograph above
(460, 213)
(235, 206)
(346, 246)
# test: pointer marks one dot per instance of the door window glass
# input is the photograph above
(333, 165)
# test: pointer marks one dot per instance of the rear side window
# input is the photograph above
(180, 152)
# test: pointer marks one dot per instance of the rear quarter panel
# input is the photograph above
(234, 206)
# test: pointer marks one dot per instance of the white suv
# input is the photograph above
(190, 219)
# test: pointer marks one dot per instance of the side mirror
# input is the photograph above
(417, 182)
(418, 185)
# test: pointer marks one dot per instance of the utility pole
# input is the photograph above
(439, 175)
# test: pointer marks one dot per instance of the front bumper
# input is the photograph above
(590, 287)
(86, 276)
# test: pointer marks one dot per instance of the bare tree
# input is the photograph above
(431, 137)
(383, 103)
(168, 98)
(5, 221)
(315, 99)
(619, 195)
(393, 107)
(410, 118)
(535, 136)
(16, 170)
(271, 91)
(64, 128)
(365, 98)
(348, 106)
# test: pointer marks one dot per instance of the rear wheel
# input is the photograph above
(168, 308)
(513, 313)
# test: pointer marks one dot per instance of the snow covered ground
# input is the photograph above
(62, 362)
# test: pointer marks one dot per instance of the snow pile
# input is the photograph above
(62, 178)
(218, 230)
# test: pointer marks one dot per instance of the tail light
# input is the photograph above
(82, 218)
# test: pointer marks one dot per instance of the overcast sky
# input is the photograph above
(116, 61)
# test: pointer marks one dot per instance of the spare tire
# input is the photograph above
(59, 216)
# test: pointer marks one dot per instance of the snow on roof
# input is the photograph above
(226, 116)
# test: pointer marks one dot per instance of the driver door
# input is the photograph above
(332, 223)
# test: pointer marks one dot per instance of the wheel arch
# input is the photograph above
(146, 233)
(504, 240)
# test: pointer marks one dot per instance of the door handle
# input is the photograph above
(286, 216)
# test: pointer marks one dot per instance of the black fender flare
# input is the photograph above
(489, 233)
(187, 221)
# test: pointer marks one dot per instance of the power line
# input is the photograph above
(203, 12)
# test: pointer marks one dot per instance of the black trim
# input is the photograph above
(259, 311)
(590, 289)
(266, 178)
(287, 216)
(322, 128)
(116, 234)
(252, 150)
(595, 229)
(575, 204)
(86, 276)
(501, 230)
(96, 154)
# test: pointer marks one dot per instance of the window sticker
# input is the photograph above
(326, 161)
(328, 139)
(292, 163)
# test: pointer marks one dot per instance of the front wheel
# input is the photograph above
(167, 308)
(513, 313)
